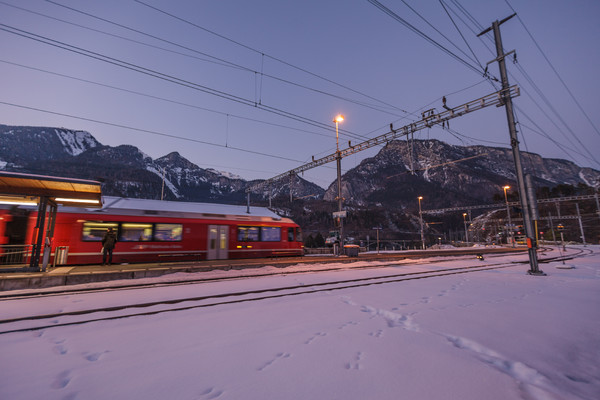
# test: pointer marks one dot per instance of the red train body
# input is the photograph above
(155, 231)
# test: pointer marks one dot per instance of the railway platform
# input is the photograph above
(84, 274)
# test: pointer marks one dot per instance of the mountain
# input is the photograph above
(381, 191)
(127, 171)
(447, 175)
(22, 145)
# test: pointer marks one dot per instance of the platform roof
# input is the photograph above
(17, 188)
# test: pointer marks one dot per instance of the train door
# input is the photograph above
(15, 248)
(218, 240)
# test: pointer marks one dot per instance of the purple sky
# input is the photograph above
(352, 44)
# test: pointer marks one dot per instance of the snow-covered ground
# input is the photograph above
(497, 334)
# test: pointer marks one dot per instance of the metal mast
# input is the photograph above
(514, 142)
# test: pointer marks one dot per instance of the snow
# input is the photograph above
(75, 142)
(167, 182)
(496, 334)
(123, 203)
(226, 174)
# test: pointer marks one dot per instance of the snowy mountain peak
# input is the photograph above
(76, 142)
(225, 174)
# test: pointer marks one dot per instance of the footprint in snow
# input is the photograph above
(94, 356)
(211, 393)
(347, 300)
(377, 334)
(355, 364)
(70, 396)
(312, 338)
(279, 356)
(531, 381)
(62, 380)
(347, 324)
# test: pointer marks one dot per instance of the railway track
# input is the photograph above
(386, 261)
(85, 316)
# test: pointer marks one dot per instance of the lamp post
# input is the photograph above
(338, 157)
(377, 229)
(510, 230)
(421, 219)
(466, 231)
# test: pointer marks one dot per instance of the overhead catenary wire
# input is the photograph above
(556, 72)
(97, 121)
(263, 54)
(172, 79)
(460, 33)
(479, 26)
(222, 61)
(589, 156)
(441, 34)
(437, 165)
(424, 36)
(139, 42)
(259, 97)
(137, 93)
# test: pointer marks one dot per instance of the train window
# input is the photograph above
(135, 232)
(94, 231)
(290, 234)
(298, 235)
(270, 233)
(248, 234)
(168, 232)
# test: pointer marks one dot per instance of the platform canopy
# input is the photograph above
(17, 188)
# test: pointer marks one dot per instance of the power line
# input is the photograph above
(440, 33)
(222, 61)
(460, 33)
(161, 98)
(555, 112)
(147, 131)
(555, 71)
(170, 78)
(423, 35)
(265, 54)
(438, 165)
(126, 38)
(540, 93)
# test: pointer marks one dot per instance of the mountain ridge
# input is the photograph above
(444, 174)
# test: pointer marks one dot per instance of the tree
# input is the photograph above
(319, 240)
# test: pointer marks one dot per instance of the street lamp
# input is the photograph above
(466, 231)
(338, 157)
(510, 230)
(421, 219)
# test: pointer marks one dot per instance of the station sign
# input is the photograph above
(340, 214)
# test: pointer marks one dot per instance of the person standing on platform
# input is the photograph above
(108, 244)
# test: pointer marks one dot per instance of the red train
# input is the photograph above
(154, 231)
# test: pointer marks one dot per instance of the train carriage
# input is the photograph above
(155, 231)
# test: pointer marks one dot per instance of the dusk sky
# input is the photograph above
(252, 87)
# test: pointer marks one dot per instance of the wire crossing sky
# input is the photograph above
(251, 88)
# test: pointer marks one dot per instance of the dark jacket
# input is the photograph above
(109, 240)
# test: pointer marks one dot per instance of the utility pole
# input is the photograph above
(580, 224)
(421, 221)
(597, 203)
(162, 190)
(338, 159)
(514, 142)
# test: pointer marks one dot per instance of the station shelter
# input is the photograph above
(47, 193)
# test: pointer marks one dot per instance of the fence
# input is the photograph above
(15, 254)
